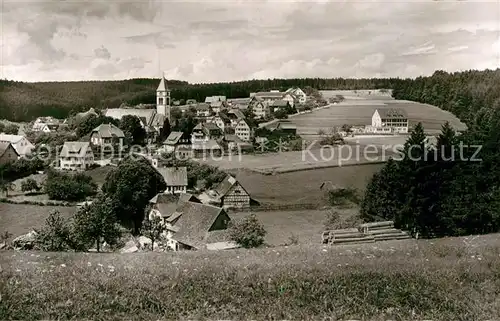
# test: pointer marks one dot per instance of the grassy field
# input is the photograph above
(447, 279)
(305, 225)
(303, 186)
(314, 158)
(358, 110)
(19, 219)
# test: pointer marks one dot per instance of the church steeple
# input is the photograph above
(163, 98)
(163, 84)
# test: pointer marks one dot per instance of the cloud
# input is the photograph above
(102, 53)
(224, 41)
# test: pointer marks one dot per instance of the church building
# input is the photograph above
(152, 118)
(163, 100)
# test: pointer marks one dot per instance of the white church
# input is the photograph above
(152, 116)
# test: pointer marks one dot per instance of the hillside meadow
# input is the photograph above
(447, 279)
(357, 109)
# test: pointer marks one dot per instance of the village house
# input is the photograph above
(211, 99)
(239, 103)
(279, 104)
(298, 93)
(20, 143)
(231, 194)
(234, 143)
(203, 110)
(269, 96)
(175, 179)
(46, 124)
(218, 106)
(261, 109)
(107, 134)
(235, 115)
(164, 205)
(221, 120)
(194, 225)
(76, 156)
(243, 131)
(389, 120)
(291, 99)
(205, 131)
(8, 153)
(175, 140)
(206, 149)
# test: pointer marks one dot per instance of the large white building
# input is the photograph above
(243, 131)
(389, 120)
(77, 156)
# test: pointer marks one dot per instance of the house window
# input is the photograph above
(160, 101)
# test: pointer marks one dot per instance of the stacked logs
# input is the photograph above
(346, 236)
(383, 231)
(365, 233)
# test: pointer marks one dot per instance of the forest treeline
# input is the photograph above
(453, 189)
(21, 101)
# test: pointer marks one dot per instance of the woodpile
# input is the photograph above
(365, 233)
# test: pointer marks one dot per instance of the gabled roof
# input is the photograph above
(392, 113)
(269, 95)
(193, 222)
(108, 131)
(163, 85)
(280, 103)
(167, 204)
(198, 127)
(224, 117)
(13, 139)
(145, 114)
(4, 146)
(202, 107)
(173, 138)
(216, 104)
(236, 113)
(212, 99)
(211, 126)
(75, 149)
(223, 188)
(238, 101)
(174, 176)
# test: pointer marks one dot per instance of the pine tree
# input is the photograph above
(379, 201)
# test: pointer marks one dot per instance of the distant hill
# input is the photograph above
(20, 101)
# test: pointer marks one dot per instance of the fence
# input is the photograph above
(278, 207)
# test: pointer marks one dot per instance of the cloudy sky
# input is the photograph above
(209, 41)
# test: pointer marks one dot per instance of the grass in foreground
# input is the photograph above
(449, 279)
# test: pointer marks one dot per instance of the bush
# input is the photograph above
(55, 234)
(30, 185)
(343, 196)
(21, 168)
(335, 221)
(248, 233)
(69, 187)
